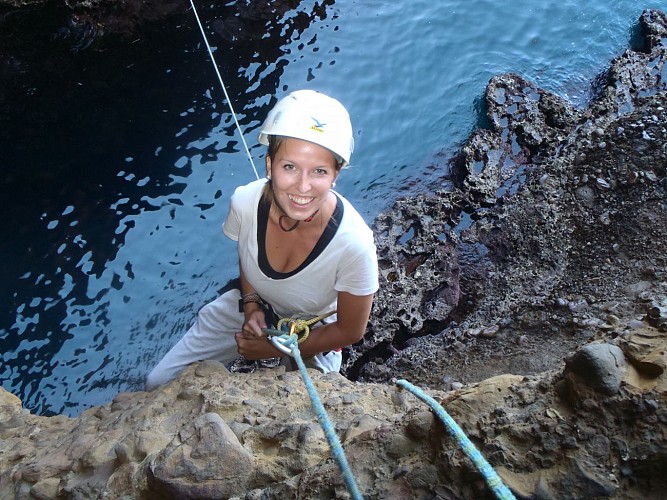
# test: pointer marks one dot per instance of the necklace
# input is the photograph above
(282, 226)
(293, 227)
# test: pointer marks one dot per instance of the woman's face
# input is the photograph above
(302, 174)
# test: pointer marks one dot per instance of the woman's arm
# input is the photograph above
(349, 328)
(254, 316)
(352, 318)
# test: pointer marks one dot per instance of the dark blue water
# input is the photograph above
(119, 154)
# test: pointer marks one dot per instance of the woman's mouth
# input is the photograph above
(300, 200)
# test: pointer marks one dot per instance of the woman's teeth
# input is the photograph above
(298, 200)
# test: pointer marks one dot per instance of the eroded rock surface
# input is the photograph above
(215, 434)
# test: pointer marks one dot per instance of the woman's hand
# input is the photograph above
(352, 318)
(254, 320)
(254, 347)
(252, 342)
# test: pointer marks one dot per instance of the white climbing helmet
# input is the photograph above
(314, 117)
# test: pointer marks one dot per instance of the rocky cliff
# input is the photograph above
(528, 297)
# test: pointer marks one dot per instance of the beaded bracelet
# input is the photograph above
(248, 298)
(251, 297)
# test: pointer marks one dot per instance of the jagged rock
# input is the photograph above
(532, 239)
(537, 439)
(644, 349)
(46, 489)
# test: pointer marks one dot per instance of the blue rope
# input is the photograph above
(501, 491)
(291, 341)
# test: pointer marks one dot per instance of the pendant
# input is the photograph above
(282, 226)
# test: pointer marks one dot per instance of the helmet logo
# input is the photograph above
(317, 126)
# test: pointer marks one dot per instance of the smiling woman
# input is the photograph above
(305, 154)
(287, 269)
(300, 181)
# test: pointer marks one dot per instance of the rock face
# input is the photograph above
(530, 298)
(215, 434)
(552, 233)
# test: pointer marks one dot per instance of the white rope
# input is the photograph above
(215, 66)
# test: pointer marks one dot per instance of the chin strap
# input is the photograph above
(309, 219)
(293, 227)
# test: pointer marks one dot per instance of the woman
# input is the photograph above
(304, 251)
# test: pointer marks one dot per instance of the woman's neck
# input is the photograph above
(287, 224)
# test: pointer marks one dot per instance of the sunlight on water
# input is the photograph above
(120, 169)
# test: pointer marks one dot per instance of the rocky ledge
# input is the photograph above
(529, 298)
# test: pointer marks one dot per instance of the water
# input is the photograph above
(119, 156)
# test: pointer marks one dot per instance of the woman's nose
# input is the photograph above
(304, 183)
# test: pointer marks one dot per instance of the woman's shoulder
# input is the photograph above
(353, 225)
(248, 192)
(252, 187)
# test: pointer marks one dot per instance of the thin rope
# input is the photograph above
(496, 484)
(224, 89)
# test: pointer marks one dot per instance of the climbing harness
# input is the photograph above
(496, 484)
(224, 89)
(289, 344)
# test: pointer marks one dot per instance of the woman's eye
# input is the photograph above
(288, 166)
(321, 171)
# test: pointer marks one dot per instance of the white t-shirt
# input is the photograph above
(348, 263)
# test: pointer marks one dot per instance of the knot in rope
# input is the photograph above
(301, 326)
